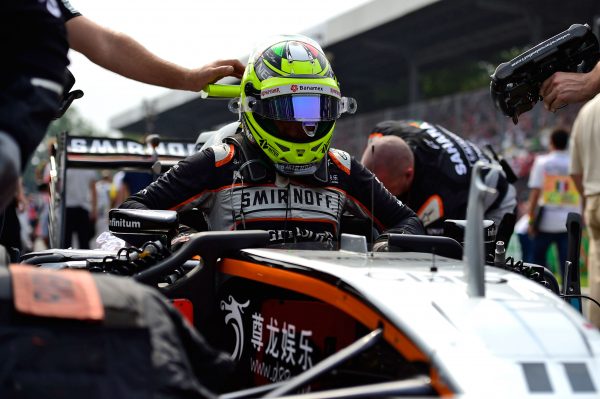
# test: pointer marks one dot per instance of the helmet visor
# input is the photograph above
(300, 107)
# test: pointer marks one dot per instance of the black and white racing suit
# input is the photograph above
(443, 164)
(238, 190)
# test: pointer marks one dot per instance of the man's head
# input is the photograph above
(290, 100)
(559, 139)
(392, 161)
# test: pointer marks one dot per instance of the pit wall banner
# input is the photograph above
(98, 146)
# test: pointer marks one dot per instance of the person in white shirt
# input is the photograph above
(553, 195)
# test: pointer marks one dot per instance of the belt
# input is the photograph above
(48, 85)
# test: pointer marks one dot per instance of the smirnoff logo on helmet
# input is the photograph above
(134, 224)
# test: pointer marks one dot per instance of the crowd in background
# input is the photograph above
(90, 195)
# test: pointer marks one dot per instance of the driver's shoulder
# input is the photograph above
(341, 159)
(223, 153)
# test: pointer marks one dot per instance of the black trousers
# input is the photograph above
(10, 228)
(78, 221)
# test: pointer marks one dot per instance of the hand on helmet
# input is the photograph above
(198, 78)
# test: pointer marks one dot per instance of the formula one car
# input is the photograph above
(421, 319)
(428, 318)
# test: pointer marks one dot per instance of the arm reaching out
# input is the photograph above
(123, 55)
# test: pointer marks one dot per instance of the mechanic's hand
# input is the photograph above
(563, 88)
(200, 77)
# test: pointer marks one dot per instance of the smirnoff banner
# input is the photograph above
(124, 147)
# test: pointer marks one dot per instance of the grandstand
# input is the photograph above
(425, 59)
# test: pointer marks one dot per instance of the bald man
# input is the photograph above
(393, 162)
(429, 169)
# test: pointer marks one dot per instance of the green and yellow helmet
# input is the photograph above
(290, 100)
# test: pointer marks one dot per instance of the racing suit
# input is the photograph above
(443, 164)
(237, 189)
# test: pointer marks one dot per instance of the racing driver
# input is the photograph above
(278, 173)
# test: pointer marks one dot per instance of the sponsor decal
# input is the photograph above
(300, 89)
(262, 71)
(472, 152)
(282, 344)
(284, 338)
(298, 196)
(234, 311)
(270, 92)
(105, 146)
(539, 48)
(314, 88)
(300, 235)
(133, 224)
(431, 210)
(286, 344)
(459, 166)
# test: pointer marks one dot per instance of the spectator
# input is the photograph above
(134, 182)
(585, 171)
(81, 207)
(522, 231)
(103, 201)
(10, 225)
(552, 196)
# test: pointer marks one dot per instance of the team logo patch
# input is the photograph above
(431, 210)
(68, 294)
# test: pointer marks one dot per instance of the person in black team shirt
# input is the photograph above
(278, 172)
(35, 36)
(429, 168)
